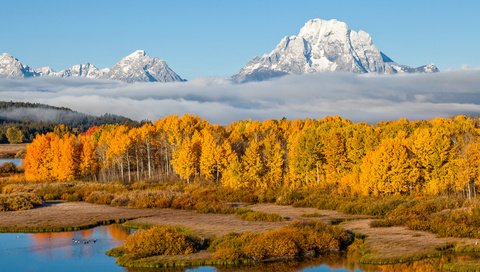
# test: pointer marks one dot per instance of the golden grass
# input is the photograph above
(399, 242)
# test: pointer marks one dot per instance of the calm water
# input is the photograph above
(17, 162)
(58, 252)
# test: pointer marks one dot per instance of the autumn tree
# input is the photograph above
(210, 158)
(390, 169)
(186, 158)
(38, 160)
(305, 159)
(253, 165)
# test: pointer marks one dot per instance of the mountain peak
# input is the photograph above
(136, 54)
(319, 27)
(11, 67)
(139, 67)
(324, 46)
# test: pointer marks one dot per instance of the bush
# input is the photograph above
(160, 240)
(293, 241)
(19, 201)
(100, 197)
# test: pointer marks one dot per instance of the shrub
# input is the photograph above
(160, 240)
(293, 241)
(19, 201)
(100, 197)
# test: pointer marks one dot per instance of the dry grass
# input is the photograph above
(400, 242)
(296, 213)
(208, 225)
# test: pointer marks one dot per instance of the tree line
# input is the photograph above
(335, 155)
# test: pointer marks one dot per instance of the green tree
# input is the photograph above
(14, 135)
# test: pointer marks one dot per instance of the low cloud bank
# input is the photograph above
(369, 98)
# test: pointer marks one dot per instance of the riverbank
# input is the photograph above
(10, 151)
(65, 216)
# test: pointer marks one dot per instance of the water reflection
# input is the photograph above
(62, 251)
(17, 162)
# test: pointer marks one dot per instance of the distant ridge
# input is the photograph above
(22, 112)
(136, 67)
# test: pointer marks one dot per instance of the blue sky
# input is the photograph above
(217, 37)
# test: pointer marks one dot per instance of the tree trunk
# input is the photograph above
(148, 159)
(136, 157)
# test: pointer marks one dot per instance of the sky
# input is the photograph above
(215, 38)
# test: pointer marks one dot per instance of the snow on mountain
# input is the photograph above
(322, 46)
(11, 67)
(136, 67)
(87, 70)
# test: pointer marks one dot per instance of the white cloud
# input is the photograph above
(368, 98)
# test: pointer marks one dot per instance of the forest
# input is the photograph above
(30, 119)
(330, 155)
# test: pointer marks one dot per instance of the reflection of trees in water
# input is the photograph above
(118, 232)
(54, 243)
(86, 234)
(46, 243)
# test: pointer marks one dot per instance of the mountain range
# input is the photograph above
(136, 67)
(320, 46)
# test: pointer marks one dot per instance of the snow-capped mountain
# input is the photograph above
(321, 46)
(11, 67)
(87, 70)
(136, 67)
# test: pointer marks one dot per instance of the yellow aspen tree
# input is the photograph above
(185, 160)
(231, 167)
(468, 168)
(210, 156)
(305, 159)
(69, 155)
(274, 163)
(336, 162)
(88, 159)
(390, 169)
(38, 159)
(434, 149)
(253, 164)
